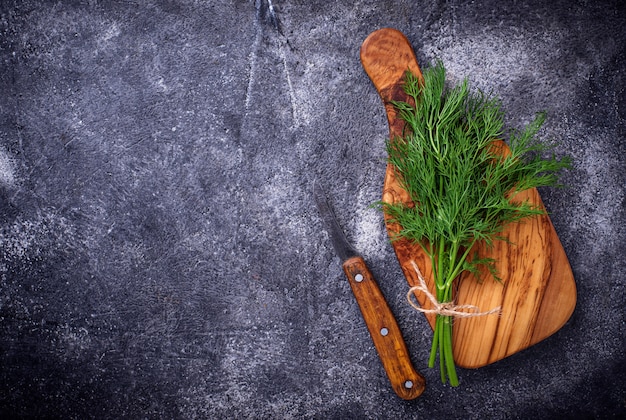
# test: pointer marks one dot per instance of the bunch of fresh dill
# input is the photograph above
(461, 185)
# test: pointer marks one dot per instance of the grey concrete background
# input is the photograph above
(160, 254)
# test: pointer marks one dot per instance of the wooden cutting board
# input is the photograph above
(537, 293)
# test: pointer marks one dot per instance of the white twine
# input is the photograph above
(443, 308)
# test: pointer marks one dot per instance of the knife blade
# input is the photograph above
(381, 323)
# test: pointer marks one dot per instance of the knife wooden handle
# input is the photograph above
(383, 328)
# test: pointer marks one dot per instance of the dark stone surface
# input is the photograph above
(160, 255)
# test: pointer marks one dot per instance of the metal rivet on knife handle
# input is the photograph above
(384, 331)
(358, 278)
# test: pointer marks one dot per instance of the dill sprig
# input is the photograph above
(461, 185)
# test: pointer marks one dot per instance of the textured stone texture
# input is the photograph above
(160, 254)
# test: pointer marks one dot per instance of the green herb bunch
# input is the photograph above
(461, 185)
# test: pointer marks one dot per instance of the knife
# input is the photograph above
(382, 325)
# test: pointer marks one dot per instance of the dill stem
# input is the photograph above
(455, 250)
(448, 356)
(439, 275)
(442, 345)
(459, 266)
(442, 335)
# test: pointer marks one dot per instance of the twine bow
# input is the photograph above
(442, 308)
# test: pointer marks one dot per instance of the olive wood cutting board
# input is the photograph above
(537, 294)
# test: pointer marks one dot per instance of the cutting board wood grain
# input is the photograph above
(537, 293)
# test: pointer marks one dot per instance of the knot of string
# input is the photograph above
(442, 308)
